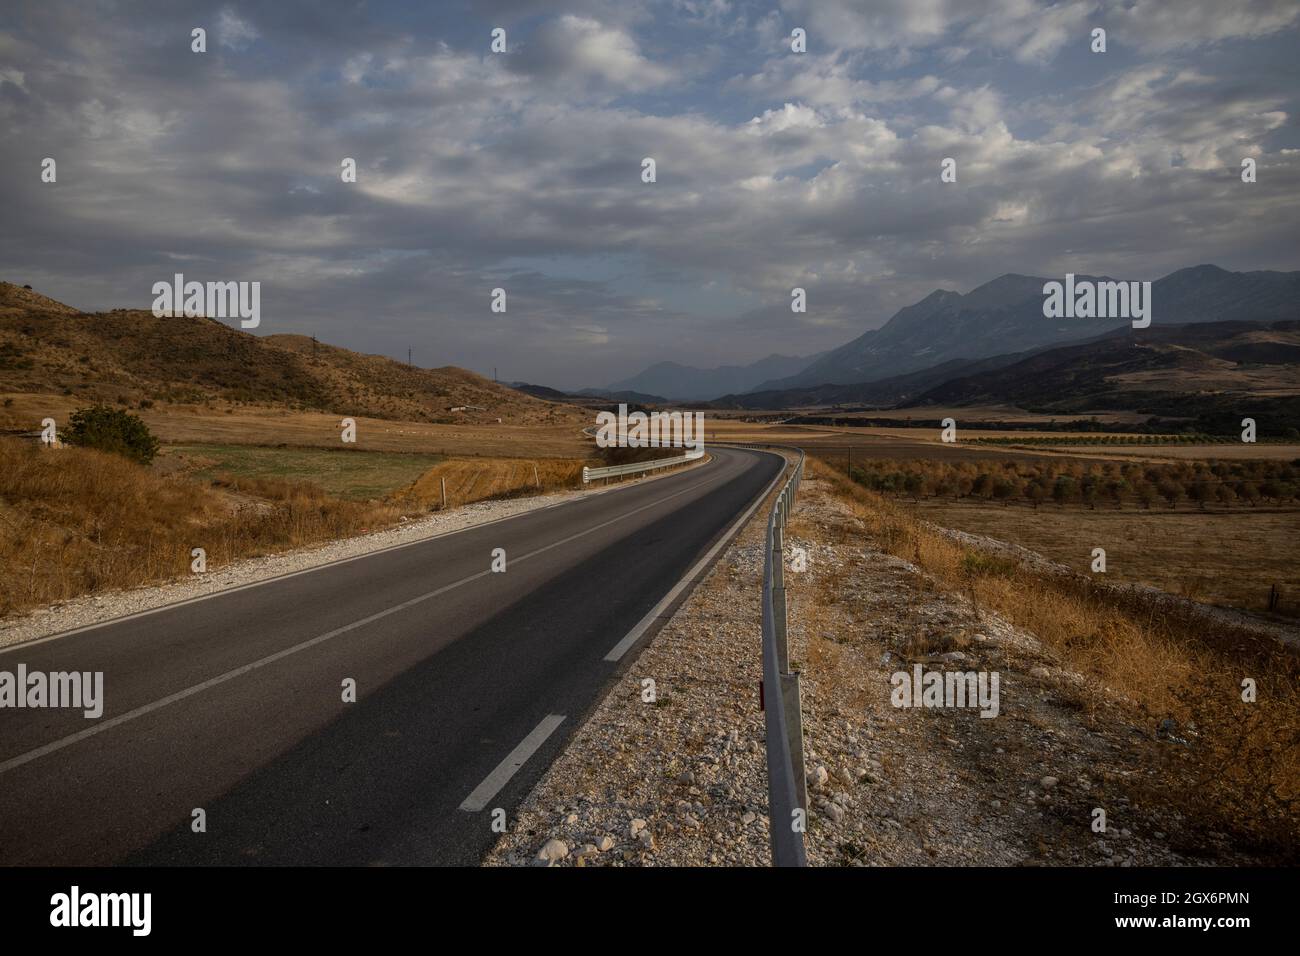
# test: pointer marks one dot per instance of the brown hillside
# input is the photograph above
(129, 356)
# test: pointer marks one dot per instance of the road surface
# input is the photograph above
(468, 683)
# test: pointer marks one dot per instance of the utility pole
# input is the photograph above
(408, 356)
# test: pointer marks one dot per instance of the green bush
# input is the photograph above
(112, 429)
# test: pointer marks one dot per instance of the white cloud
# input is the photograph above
(1157, 25)
(233, 31)
(580, 50)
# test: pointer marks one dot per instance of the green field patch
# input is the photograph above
(346, 473)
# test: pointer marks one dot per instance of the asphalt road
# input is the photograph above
(234, 703)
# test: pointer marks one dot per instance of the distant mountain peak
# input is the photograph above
(685, 383)
(1005, 314)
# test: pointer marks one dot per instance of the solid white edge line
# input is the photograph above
(634, 635)
(21, 645)
(498, 778)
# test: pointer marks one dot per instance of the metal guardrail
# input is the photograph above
(787, 783)
(614, 471)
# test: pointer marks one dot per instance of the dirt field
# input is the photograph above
(1225, 558)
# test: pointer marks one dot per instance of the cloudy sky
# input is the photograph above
(523, 170)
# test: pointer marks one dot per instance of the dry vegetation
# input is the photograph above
(1231, 558)
(1239, 771)
(1216, 531)
(478, 479)
(75, 520)
(1220, 483)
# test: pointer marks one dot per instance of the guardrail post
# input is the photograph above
(794, 732)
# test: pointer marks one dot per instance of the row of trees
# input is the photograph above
(1115, 483)
(1191, 438)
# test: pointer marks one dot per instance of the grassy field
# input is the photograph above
(344, 472)
(1228, 558)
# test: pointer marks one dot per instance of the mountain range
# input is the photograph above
(1006, 315)
(947, 334)
(1215, 373)
(1209, 374)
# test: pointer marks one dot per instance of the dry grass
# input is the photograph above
(1240, 771)
(75, 520)
(478, 479)
(1225, 558)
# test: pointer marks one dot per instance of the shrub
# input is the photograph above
(980, 562)
(113, 430)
